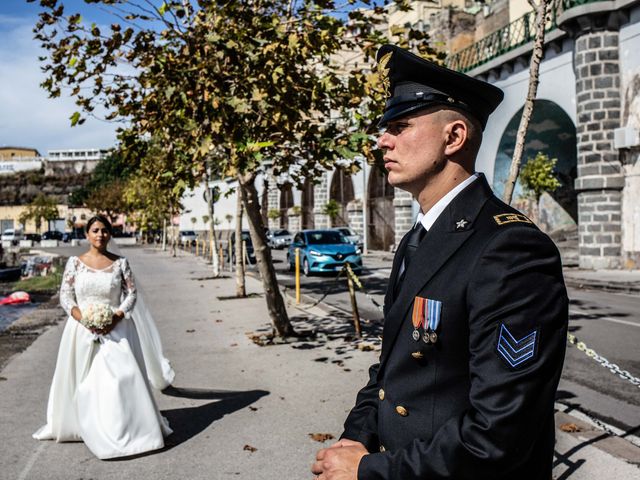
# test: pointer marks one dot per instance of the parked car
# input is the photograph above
(77, 234)
(12, 235)
(352, 236)
(52, 235)
(246, 238)
(323, 251)
(187, 236)
(280, 239)
(34, 237)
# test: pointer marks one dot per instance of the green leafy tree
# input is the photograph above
(41, 209)
(537, 176)
(332, 210)
(227, 85)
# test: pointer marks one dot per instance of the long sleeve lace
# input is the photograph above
(129, 291)
(67, 287)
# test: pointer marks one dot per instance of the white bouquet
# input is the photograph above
(97, 316)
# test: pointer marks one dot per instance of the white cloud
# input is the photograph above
(28, 117)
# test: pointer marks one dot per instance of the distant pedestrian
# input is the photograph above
(100, 393)
(476, 309)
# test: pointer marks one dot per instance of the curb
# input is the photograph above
(613, 287)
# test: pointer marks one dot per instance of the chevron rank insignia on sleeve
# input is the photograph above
(516, 351)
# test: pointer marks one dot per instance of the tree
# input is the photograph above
(257, 79)
(109, 199)
(332, 210)
(537, 175)
(42, 208)
(241, 290)
(540, 9)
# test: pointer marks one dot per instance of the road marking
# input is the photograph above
(32, 461)
(608, 319)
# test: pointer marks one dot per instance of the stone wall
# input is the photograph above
(600, 177)
(354, 216)
(403, 205)
(321, 191)
(22, 188)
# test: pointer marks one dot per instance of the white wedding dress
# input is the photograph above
(100, 392)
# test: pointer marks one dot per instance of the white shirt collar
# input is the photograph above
(429, 218)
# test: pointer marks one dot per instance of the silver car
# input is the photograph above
(280, 239)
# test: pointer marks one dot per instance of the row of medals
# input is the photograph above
(429, 336)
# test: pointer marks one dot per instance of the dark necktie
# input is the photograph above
(413, 241)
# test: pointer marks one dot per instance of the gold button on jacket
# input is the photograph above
(381, 394)
(402, 411)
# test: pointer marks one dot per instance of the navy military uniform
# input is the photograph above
(475, 398)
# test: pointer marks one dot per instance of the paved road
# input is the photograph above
(609, 323)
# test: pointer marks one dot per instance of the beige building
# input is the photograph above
(13, 153)
(68, 216)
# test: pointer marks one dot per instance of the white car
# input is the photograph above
(350, 235)
(12, 235)
(188, 236)
(280, 239)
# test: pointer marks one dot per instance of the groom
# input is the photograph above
(476, 309)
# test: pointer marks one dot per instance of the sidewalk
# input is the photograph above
(238, 410)
(622, 281)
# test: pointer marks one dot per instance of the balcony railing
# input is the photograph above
(511, 36)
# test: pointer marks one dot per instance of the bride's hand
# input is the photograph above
(117, 316)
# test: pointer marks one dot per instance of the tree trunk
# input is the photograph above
(212, 231)
(241, 290)
(174, 239)
(275, 302)
(534, 69)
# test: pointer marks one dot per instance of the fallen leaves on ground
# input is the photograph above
(249, 448)
(260, 339)
(321, 437)
(570, 427)
(191, 330)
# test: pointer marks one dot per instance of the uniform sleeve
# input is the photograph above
(518, 314)
(129, 292)
(362, 422)
(67, 286)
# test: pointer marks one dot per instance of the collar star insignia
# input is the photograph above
(460, 224)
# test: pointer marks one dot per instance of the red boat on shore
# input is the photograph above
(16, 298)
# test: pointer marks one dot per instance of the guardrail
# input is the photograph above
(508, 38)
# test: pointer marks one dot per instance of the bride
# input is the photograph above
(100, 392)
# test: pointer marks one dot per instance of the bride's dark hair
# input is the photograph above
(99, 218)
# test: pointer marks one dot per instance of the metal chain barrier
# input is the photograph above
(327, 291)
(612, 367)
(358, 283)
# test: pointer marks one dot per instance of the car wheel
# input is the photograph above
(292, 266)
(305, 267)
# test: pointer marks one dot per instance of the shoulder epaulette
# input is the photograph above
(505, 218)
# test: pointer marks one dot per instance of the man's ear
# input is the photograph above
(457, 137)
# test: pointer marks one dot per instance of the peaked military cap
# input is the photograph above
(415, 83)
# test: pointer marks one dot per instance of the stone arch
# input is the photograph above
(552, 132)
(380, 209)
(308, 204)
(286, 202)
(341, 191)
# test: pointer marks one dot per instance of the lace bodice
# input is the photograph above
(82, 285)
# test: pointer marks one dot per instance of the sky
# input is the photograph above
(28, 118)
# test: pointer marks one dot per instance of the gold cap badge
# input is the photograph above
(383, 73)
